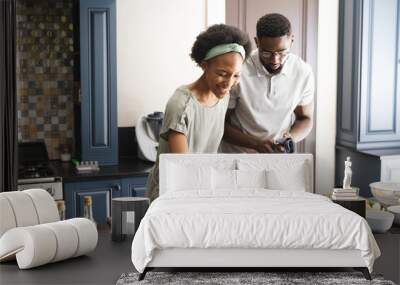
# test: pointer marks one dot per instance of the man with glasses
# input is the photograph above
(274, 100)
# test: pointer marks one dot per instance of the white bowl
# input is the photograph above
(379, 221)
(387, 193)
(395, 210)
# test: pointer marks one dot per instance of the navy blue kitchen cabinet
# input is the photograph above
(99, 137)
(101, 191)
(368, 110)
(134, 186)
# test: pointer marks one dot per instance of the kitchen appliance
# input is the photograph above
(147, 134)
(34, 170)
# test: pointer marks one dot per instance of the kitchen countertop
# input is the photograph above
(127, 167)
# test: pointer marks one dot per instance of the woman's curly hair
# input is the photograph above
(216, 35)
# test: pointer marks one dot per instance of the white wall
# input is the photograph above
(154, 39)
(325, 121)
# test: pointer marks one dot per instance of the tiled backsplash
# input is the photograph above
(45, 73)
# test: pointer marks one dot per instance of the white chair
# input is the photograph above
(31, 230)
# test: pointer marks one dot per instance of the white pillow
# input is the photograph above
(251, 178)
(224, 179)
(293, 179)
(182, 177)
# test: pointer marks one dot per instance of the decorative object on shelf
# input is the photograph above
(388, 193)
(88, 209)
(61, 209)
(127, 212)
(347, 174)
(345, 194)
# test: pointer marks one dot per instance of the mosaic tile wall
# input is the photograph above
(45, 73)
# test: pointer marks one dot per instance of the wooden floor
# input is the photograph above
(103, 266)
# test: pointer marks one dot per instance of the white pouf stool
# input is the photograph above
(31, 231)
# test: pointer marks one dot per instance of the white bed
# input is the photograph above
(247, 210)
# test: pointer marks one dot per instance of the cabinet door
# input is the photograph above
(368, 103)
(348, 90)
(134, 186)
(98, 81)
(390, 168)
(380, 75)
(101, 192)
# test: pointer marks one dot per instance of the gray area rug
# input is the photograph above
(229, 278)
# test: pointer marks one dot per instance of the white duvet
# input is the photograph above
(251, 218)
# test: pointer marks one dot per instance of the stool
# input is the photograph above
(122, 211)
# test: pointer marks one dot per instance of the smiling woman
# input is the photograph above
(194, 116)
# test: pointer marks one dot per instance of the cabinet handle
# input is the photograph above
(117, 187)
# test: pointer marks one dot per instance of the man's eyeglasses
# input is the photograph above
(280, 54)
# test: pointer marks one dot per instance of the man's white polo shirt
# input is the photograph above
(264, 103)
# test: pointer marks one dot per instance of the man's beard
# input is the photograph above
(275, 71)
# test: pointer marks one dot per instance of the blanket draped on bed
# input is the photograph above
(251, 218)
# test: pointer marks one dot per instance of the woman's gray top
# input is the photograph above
(203, 127)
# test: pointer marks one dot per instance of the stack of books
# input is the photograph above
(345, 194)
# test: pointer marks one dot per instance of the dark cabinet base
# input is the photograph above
(357, 206)
(102, 192)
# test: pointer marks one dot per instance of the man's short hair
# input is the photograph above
(273, 25)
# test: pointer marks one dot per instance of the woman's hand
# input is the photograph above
(177, 142)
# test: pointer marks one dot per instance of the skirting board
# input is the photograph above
(177, 257)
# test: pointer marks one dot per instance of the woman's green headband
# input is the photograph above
(225, 48)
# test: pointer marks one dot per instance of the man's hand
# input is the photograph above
(267, 146)
(235, 136)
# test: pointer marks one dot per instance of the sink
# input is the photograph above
(388, 193)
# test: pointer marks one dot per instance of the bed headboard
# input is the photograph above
(297, 168)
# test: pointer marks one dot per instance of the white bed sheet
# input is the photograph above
(250, 218)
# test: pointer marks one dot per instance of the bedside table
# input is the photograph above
(355, 205)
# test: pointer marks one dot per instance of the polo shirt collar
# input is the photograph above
(262, 71)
